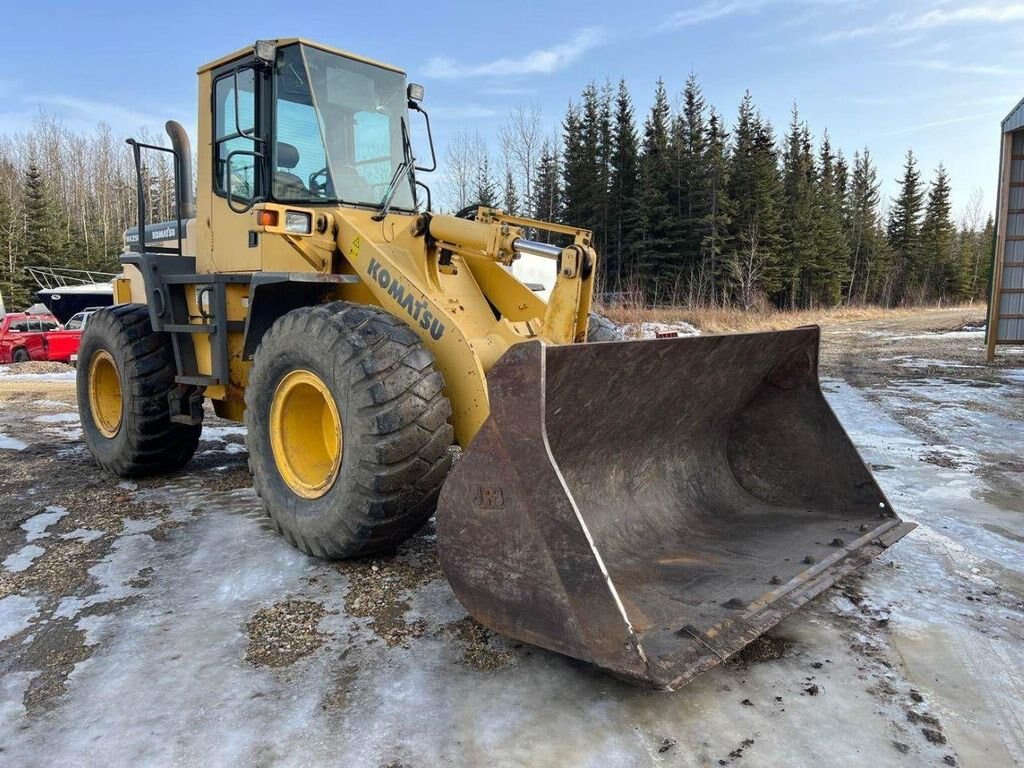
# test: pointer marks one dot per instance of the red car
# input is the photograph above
(36, 337)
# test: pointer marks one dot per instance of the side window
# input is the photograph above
(75, 323)
(373, 149)
(300, 163)
(49, 325)
(235, 116)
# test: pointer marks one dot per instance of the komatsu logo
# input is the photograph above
(415, 308)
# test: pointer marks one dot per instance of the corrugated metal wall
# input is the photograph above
(1006, 301)
(1011, 299)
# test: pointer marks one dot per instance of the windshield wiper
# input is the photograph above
(401, 174)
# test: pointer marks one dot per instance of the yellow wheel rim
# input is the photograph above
(305, 434)
(105, 393)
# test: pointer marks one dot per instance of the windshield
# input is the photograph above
(339, 129)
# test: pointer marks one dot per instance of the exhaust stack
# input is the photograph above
(182, 146)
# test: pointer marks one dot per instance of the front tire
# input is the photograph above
(21, 355)
(124, 375)
(348, 429)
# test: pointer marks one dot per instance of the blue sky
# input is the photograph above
(934, 75)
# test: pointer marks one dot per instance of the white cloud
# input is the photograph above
(705, 12)
(994, 14)
(118, 116)
(462, 112)
(940, 123)
(982, 13)
(963, 69)
(543, 61)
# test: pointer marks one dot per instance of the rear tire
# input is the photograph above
(21, 355)
(125, 373)
(363, 372)
(600, 328)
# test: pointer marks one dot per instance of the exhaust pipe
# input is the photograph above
(181, 145)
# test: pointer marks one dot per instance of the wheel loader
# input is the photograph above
(647, 506)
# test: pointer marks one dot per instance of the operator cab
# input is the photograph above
(296, 123)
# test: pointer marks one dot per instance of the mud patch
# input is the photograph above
(56, 648)
(284, 633)
(763, 648)
(379, 588)
(476, 642)
(63, 569)
(940, 459)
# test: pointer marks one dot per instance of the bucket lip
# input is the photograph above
(662, 671)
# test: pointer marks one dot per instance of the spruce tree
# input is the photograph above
(624, 203)
(657, 259)
(485, 191)
(547, 188)
(862, 232)
(509, 194)
(585, 180)
(755, 188)
(689, 143)
(41, 232)
(799, 238)
(831, 267)
(717, 219)
(904, 227)
(942, 273)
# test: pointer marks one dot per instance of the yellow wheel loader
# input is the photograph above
(647, 506)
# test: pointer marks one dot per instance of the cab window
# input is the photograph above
(233, 135)
(76, 323)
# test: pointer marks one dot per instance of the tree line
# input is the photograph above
(686, 208)
(66, 199)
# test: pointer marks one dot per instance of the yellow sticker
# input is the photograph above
(353, 252)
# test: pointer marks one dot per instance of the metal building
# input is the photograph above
(1006, 299)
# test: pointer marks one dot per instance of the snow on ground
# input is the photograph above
(15, 613)
(35, 527)
(651, 330)
(6, 375)
(23, 558)
(8, 443)
(58, 418)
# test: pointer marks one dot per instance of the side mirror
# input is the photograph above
(241, 179)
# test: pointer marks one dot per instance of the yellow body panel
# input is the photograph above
(446, 277)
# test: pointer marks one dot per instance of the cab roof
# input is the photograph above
(281, 41)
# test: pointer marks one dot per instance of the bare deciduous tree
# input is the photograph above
(520, 145)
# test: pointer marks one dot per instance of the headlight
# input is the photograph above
(298, 223)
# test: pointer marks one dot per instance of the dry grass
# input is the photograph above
(735, 320)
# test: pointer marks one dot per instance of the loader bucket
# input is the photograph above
(653, 506)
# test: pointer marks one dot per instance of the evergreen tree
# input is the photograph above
(717, 219)
(904, 227)
(656, 259)
(755, 188)
(941, 272)
(547, 189)
(862, 230)
(510, 196)
(799, 238)
(485, 191)
(41, 229)
(689, 143)
(624, 205)
(831, 268)
(587, 132)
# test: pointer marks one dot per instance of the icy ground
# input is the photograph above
(162, 623)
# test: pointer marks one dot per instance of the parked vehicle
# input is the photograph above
(25, 337)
